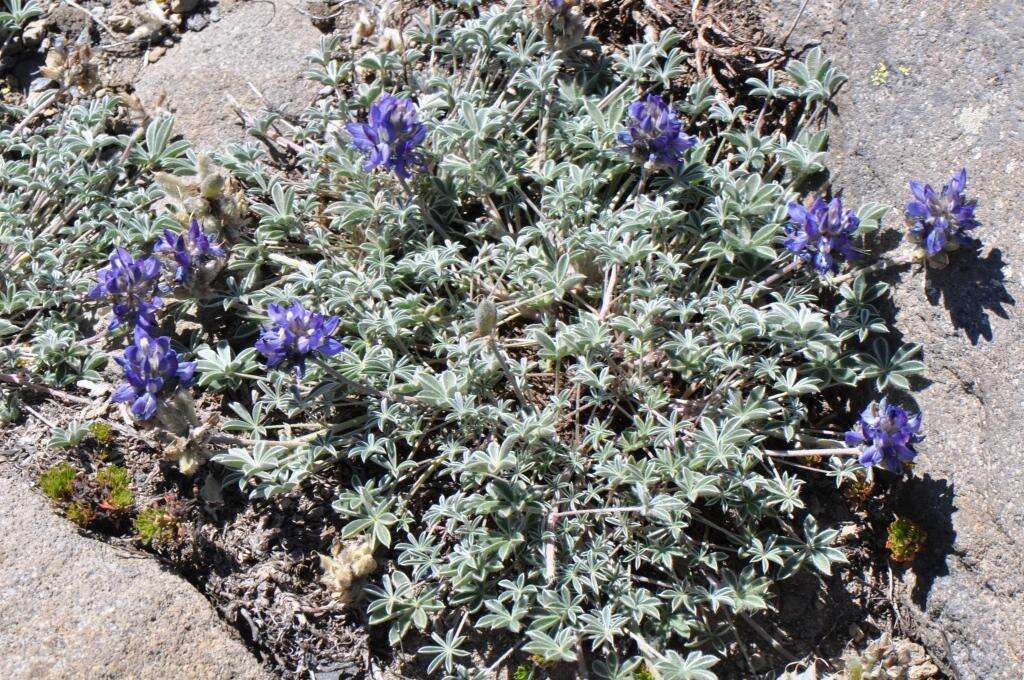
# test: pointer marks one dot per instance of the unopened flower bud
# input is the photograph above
(486, 318)
(212, 186)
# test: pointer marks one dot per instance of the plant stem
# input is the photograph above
(19, 380)
(802, 453)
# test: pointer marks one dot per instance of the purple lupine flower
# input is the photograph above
(152, 370)
(822, 234)
(940, 221)
(131, 285)
(887, 435)
(654, 133)
(194, 253)
(391, 136)
(294, 333)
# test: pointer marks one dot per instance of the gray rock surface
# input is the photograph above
(263, 42)
(935, 86)
(72, 607)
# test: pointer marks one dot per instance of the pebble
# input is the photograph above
(196, 22)
(155, 54)
(183, 6)
(121, 23)
(847, 533)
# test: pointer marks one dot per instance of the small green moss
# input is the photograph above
(643, 673)
(102, 432)
(119, 492)
(58, 482)
(81, 514)
(906, 539)
(522, 672)
(154, 525)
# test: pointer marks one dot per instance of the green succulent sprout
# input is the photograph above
(58, 482)
(116, 480)
(155, 526)
(905, 541)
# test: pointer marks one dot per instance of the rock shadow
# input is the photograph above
(930, 502)
(971, 288)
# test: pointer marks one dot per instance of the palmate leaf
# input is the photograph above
(558, 648)
(891, 369)
(696, 666)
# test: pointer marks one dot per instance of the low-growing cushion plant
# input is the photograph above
(562, 324)
(58, 482)
(155, 525)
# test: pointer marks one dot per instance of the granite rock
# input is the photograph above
(73, 607)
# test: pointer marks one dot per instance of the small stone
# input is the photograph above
(155, 54)
(196, 22)
(917, 653)
(121, 23)
(35, 31)
(848, 533)
(923, 671)
(38, 84)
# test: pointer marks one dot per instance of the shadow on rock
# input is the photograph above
(971, 288)
(929, 501)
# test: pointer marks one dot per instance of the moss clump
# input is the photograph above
(102, 433)
(115, 480)
(643, 673)
(58, 482)
(81, 514)
(522, 673)
(155, 526)
(906, 539)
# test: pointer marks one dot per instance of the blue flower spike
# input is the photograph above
(941, 222)
(886, 435)
(294, 333)
(391, 136)
(153, 371)
(822, 234)
(130, 285)
(654, 134)
(197, 258)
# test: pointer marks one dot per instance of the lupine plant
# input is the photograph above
(564, 356)
(196, 257)
(391, 137)
(130, 284)
(654, 133)
(887, 434)
(941, 222)
(294, 333)
(153, 373)
(822, 234)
